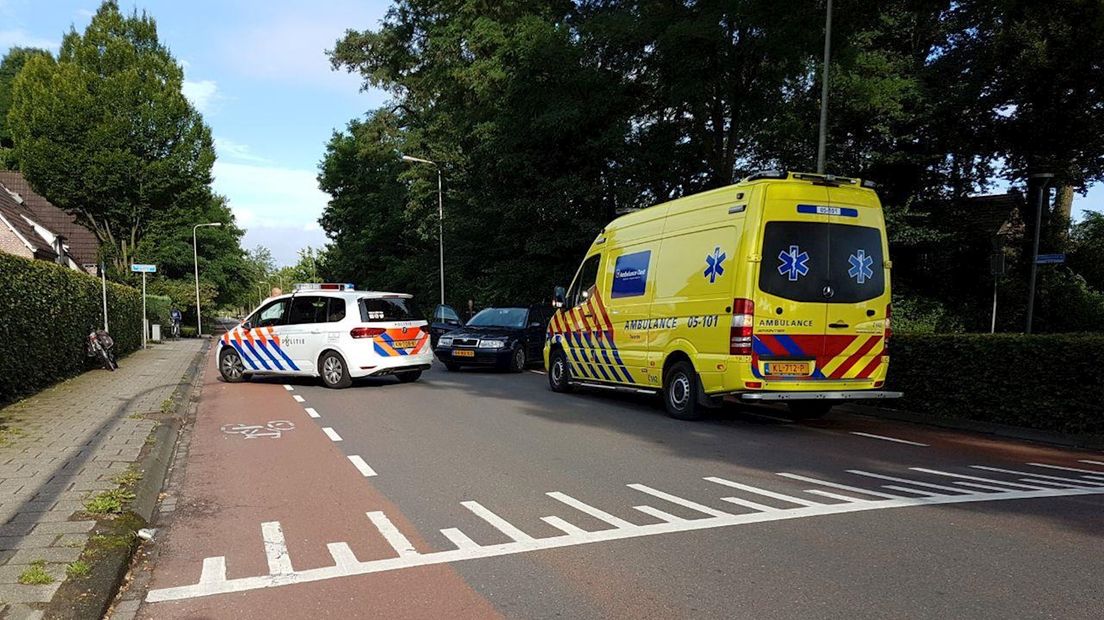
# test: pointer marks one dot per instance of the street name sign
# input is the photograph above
(137, 268)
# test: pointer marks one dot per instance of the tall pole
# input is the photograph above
(1045, 178)
(103, 284)
(143, 310)
(195, 259)
(441, 231)
(822, 144)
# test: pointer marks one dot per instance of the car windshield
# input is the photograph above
(499, 317)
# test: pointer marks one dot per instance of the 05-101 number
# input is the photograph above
(702, 321)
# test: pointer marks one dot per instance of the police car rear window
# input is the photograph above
(819, 262)
(386, 309)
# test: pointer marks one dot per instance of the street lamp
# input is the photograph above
(195, 258)
(1045, 177)
(822, 143)
(440, 217)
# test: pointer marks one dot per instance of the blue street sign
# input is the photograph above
(1050, 259)
(143, 268)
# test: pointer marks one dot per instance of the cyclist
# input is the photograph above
(176, 317)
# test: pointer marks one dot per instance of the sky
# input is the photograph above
(258, 71)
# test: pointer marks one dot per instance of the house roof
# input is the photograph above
(83, 245)
(15, 216)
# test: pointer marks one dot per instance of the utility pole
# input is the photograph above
(1044, 178)
(822, 144)
(195, 258)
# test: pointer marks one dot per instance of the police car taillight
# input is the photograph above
(366, 332)
(739, 335)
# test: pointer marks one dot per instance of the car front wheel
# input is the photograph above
(335, 374)
(231, 367)
(517, 359)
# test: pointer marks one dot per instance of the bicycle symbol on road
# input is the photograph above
(274, 429)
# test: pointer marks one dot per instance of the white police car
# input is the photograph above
(330, 331)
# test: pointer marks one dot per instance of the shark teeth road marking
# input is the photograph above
(213, 580)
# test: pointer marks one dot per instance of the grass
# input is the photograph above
(78, 569)
(109, 502)
(128, 478)
(167, 405)
(36, 574)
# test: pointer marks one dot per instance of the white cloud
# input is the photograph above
(202, 93)
(229, 149)
(20, 38)
(269, 196)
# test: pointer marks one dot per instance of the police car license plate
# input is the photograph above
(788, 369)
(463, 353)
(405, 344)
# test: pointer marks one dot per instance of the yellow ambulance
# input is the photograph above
(772, 289)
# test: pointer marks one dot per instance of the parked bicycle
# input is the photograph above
(100, 345)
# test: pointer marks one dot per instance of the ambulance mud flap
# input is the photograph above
(709, 401)
(842, 395)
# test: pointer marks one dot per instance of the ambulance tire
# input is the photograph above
(809, 409)
(231, 366)
(334, 371)
(680, 388)
(409, 376)
(559, 373)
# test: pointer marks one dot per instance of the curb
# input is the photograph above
(1090, 442)
(91, 597)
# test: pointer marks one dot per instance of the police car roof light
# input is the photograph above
(324, 286)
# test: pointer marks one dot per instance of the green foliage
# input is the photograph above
(45, 318)
(110, 502)
(1045, 382)
(918, 315)
(105, 132)
(78, 570)
(11, 64)
(157, 311)
(1087, 249)
(36, 574)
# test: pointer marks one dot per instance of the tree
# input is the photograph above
(104, 131)
(9, 67)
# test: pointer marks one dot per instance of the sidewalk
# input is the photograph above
(63, 445)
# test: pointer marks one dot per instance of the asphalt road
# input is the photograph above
(478, 494)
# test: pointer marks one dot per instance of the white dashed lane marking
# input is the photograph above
(311, 412)
(213, 578)
(893, 439)
(288, 388)
(364, 469)
(331, 433)
(298, 398)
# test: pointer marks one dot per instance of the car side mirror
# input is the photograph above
(558, 297)
(534, 325)
(246, 325)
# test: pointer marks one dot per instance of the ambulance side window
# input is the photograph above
(584, 286)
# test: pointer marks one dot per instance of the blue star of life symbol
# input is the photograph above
(713, 262)
(860, 266)
(795, 263)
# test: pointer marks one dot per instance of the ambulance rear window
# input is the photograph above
(384, 309)
(821, 262)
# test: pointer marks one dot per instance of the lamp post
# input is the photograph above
(822, 143)
(195, 258)
(1045, 178)
(440, 218)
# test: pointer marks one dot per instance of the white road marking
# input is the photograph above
(279, 562)
(926, 485)
(978, 478)
(537, 372)
(394, 537)
(288, 388)
(659, 514)
(496, 521)
(331, 433)
(590, 510)
(298, 398)
(460, 539)
(678, 500)
(1083, 471)
(842, 498)
(364, 469)
(1047, 483)
(747, 504)
(893, 487)
(564, 526)
(1091, 462)
(764, 492)
(311, 412)
(838, 486)
(213, 577)
(984, 487)
(893, 439)
(1034, 475)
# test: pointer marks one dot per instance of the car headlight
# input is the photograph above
(445, 341)
(492, 344)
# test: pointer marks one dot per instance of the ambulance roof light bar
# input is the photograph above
(324, 286)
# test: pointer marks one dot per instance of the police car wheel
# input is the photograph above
(409, 376)
(559, 375)
(334, 372)
(231, 367)
(680, 392)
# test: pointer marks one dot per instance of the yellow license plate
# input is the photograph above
(788, 369)
(463, 353)
(404, 344)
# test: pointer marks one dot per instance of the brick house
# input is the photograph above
(32, 227)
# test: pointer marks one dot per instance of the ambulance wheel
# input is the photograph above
(231, 367)
(334, 372)
(680, 389)
(559, 375)
(409, 376)
(809, 409)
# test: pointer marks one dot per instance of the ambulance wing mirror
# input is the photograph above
(558, 297)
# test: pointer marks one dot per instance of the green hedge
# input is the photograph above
(157, 310)
(1048, 382)
(46, 312)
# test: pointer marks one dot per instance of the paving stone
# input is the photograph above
(27, 555)
(19, 593)
(23, 612)
(65, 527)
(43, 539)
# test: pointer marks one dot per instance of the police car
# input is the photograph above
(330, 331)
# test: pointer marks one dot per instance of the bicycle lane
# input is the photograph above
(296, 477)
